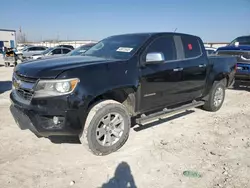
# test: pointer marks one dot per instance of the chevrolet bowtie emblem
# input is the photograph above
(16, 83)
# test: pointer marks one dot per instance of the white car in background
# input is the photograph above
(57, 51)
(210, 50)
(20, 47)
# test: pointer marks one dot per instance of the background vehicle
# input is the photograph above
(210, 51)
(80, 50)
(31, 50)
(57, 51)
(145, 76)
(20, 47)
(66, 46)
(239, 47)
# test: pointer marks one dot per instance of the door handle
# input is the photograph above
(202, 65)
(177, 69)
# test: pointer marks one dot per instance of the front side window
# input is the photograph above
(165, 45)
(47, 51)
(118, 47)
(65, 51)
(191, 46)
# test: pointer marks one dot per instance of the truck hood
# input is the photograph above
(234, 48)
(51, 68)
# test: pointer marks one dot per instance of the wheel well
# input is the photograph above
(125, 96)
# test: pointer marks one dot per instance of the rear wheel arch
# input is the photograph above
(213, 79)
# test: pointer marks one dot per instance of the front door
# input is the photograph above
(160, 82)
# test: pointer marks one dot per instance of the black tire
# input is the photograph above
(97, 112)
(210, 103)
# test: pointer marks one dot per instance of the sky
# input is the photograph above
(213, 20)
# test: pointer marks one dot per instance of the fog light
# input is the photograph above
(56, 120)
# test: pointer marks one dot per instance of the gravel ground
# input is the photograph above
(215, 145)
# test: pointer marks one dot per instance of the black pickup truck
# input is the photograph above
(133, 76)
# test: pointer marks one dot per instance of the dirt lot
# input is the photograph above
(216, 145)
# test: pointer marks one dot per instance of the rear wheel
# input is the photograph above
(216, 97)
(107, 127)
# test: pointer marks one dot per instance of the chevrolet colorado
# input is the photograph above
(94, 96)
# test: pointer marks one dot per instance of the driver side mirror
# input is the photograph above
(155, 58)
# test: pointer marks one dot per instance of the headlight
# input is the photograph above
(47, 88)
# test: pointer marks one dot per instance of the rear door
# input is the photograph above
(194, 67)
(160, 82)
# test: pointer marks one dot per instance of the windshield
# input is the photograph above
(79, 51)
(46, 51)
(118, 47)
(241, 40)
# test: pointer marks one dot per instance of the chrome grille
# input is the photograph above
(23, 87)
(26, 95)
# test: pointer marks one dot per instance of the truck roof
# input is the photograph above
(157, 33)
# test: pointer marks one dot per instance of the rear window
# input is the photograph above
(191, 46)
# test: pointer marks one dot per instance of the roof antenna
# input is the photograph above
(175, 30)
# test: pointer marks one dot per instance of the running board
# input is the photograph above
(167, 112)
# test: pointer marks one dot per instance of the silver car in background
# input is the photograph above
(30, 50)
(56, 51)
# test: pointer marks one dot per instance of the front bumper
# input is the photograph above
(37, 116)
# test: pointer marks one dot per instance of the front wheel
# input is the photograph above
(106, 128)
(216, 97)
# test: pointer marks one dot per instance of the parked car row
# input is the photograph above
(240, 48)
(57, 51)
(27, 53)
(145, 77)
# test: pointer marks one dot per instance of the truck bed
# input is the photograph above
(225, 63)
(223, 60)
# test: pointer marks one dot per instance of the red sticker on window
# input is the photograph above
(190, 47)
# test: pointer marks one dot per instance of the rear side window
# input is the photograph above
(31, 49)
(191, 46)
(165, 45)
